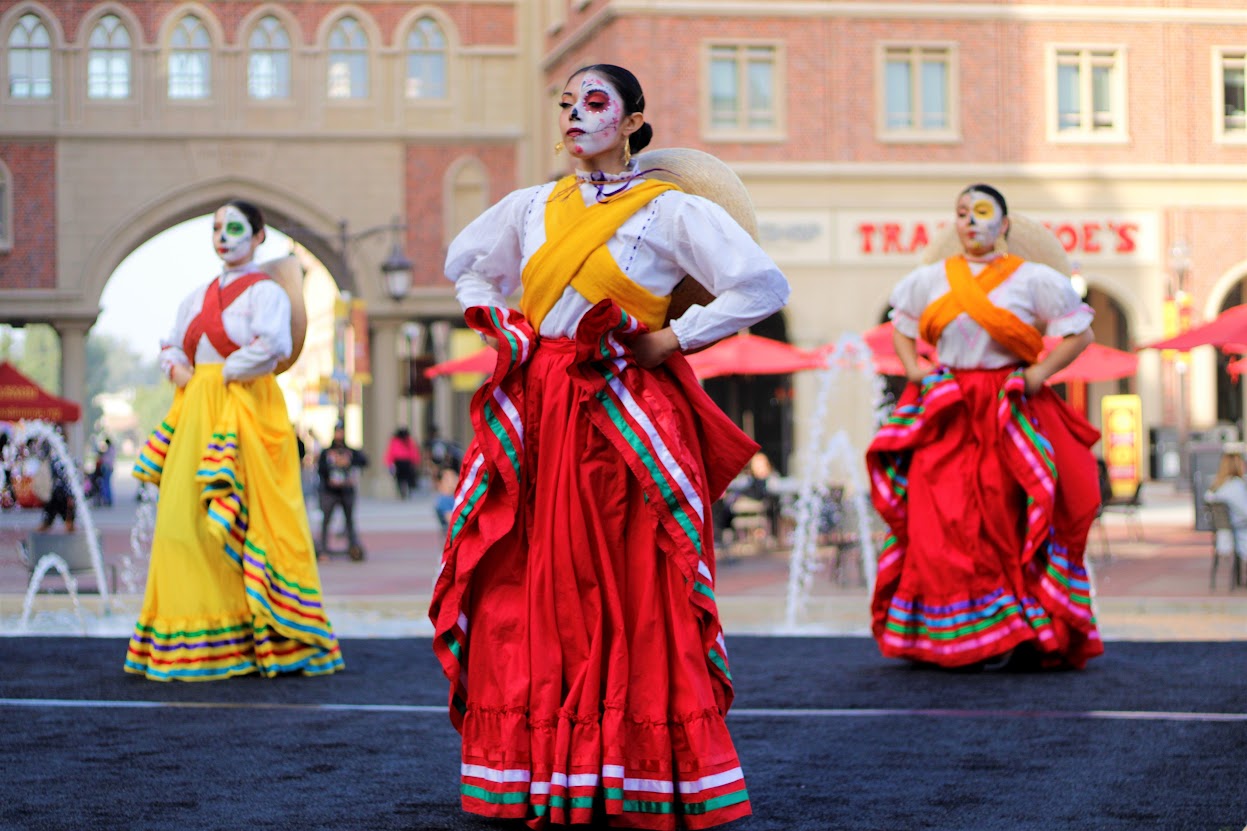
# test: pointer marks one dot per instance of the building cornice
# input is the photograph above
(1011, 170)
(307, 136)
(1026, 12)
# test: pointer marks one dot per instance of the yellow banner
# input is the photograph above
(1122, 420)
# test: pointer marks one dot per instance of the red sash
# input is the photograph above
(209, 322)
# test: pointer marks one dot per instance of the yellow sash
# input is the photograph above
(575, 254)
(968, 294)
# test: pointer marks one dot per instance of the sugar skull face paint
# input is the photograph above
(232, 235)
(592, 112)
(980, 221)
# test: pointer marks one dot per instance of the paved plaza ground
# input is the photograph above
(1152, 577)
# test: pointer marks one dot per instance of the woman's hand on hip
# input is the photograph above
(652, 348)
(181, 375)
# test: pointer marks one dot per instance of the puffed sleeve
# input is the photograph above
(908, 301)
(1057, 304)
(171, 352)
(483, 261)
(270, 334)
(715, 251)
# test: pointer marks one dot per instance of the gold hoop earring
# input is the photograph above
(558, 148)
(627, 153)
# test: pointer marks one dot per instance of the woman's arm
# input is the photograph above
(907, 350)
(1061, 356)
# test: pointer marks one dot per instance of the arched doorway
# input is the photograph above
(1229, 389)
(760, 404)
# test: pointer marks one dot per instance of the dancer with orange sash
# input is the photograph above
(574, 613)
(984, 475)
(233, 586)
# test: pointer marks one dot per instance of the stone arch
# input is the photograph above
(55, 30)
(133, 25)
(206, 16)
(257, 14)
(366, 20)
(304, 222)
(453, 41)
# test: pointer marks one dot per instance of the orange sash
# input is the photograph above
(968, 294)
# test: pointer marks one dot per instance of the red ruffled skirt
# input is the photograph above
(989, 495)
(589, 676)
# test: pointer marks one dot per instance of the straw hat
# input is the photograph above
(700, 174)
(1027, 239)
(288, 273)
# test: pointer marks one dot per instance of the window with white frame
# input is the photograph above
(1090, 96)
(190, 60)
(918, 91)
(268, 65)
(743, 88)
(108, 59)
(348, 60)
(426, 60)
(6, 209)
(1232, 116)
(30, 59)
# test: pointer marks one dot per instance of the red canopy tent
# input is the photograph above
(482, 360)
(1229, 327)
(746, 354)
(21, 398)
(1096, 363)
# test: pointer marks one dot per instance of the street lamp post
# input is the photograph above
(1180, 265)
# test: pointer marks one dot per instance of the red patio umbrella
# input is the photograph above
(1096, 363)
(746, 354)
(21, 398)
(482, 360)
(1227, 328)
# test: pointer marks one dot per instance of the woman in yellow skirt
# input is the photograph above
(233, 586)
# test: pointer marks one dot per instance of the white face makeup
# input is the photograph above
(980, 221)
(592, 113)
(231, 235)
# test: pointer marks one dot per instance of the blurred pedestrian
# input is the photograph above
(402, 460)
(1229, 488)
(338, 468)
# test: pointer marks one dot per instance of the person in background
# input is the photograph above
(105, 462)
(402, 460)
(1229, 488)
(233, 586)
(338, 468)
(61, 503)
(984, 475)
(447, 481)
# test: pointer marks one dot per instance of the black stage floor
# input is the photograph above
(831, 737)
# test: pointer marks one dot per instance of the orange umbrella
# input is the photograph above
(746, 354)
(482, 360)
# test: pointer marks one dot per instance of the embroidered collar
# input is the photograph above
(600, 180)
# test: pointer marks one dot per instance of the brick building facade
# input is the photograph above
(1120, 123)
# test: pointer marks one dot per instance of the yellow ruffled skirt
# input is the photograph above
(233, 586)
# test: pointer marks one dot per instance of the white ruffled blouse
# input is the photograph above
(1037, 294)
(258, 321)
(673, 235)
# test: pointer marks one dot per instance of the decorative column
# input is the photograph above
(380, 406)
(443, 393)
(73, 335)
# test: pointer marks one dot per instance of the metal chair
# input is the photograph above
(1129, 507)
(1223, 529)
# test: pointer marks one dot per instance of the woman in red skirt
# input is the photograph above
(985, 475)
(575, 613)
